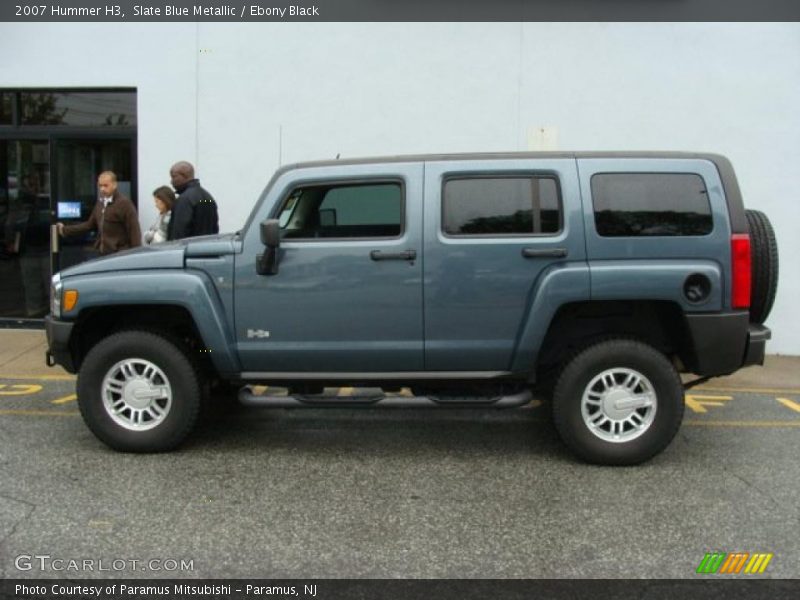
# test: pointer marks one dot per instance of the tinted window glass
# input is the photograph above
(5, 108)
(344, 211)
(650, 204)
(112, 109)
(501, 206)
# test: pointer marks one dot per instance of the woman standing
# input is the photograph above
(164, 199)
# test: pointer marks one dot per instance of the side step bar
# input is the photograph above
(248, 398)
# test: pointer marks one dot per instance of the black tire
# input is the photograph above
(623, 356)
(764, 253)
(177, 375)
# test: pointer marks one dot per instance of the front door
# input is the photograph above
(78, 163)
(348, 294)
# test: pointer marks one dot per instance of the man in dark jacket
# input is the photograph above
(114, 219)
(195, 211)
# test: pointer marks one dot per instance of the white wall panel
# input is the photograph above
(218, 94)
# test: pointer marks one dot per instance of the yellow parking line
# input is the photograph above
(24, 389)
(747, 390)
(789, 404)
(40, 413)
(743, 423)
(40, 377)
(65, 399)
(698, 403)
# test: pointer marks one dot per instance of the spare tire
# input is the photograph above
(764, 255)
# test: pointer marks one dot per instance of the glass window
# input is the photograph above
(5, 108)
(650, 204)
(502, 206)
(343, 211)
(79, 109)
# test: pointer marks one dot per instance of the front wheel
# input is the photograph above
(619, 402)
(138, 392)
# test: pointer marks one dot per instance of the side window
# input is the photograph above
(366, 210)
(650, 204)
(501, 206)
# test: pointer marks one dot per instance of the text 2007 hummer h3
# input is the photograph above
(588, 279)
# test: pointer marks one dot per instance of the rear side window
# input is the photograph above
(343, 211)
(501, 206)
(650, 204)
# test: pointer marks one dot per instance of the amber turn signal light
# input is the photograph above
(70, 299)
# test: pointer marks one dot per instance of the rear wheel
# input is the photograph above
(138, 392)
(618, 402)
(764, 253)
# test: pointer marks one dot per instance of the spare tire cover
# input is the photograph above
(764, 253)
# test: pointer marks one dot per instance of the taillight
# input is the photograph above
(741, 269)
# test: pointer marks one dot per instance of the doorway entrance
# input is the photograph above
(53, 146)
(78, 163)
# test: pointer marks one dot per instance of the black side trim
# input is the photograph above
(58, 352)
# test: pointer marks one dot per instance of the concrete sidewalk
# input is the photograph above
(22, 355)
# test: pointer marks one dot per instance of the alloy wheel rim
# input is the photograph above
(136, 394)
(619, 405)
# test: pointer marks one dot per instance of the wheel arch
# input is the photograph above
(660, 324)
(184, 306)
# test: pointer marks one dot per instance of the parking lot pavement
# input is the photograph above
(395, 493)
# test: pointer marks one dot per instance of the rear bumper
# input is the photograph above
(723, 343)
(58, 351)
(757, 336)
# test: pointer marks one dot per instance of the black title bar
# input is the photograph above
(382, 589)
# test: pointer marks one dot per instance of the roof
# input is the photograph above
(715, 158)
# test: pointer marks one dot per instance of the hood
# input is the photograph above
(169, 255)
(210, 245)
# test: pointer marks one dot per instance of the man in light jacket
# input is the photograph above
(114, 219)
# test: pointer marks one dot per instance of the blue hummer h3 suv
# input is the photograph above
(592, 280)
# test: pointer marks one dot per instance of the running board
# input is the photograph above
(248, 398)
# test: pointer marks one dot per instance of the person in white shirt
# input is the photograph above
(164, 199)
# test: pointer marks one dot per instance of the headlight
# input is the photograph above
(55, 296)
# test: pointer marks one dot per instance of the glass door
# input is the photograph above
(24, 228)
(78, 163)
(53, 145)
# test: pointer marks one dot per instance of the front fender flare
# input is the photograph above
(191, 290)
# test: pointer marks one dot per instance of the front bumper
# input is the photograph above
(58, 350)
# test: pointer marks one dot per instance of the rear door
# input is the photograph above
(493, 229)
(348, 294)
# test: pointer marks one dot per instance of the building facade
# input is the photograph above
(239, 100)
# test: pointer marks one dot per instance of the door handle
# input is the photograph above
(405, 255)
(544, 252)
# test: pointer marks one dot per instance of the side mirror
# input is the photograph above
(267, 263)
(271, 233)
